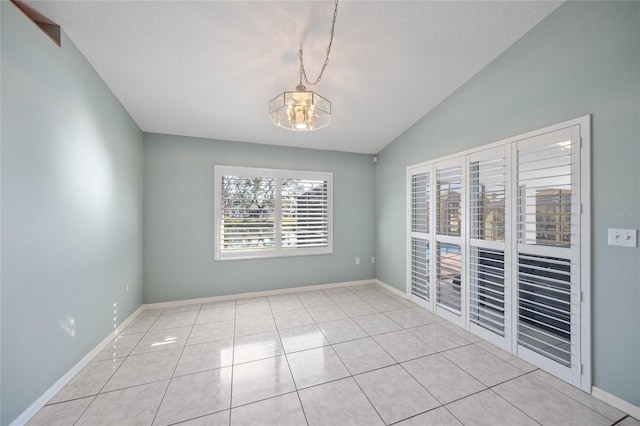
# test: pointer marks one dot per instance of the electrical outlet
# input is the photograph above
(373, 259)
(126, 288)
(623, 237)
(357, 260)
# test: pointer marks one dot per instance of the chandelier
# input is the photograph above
(302, 109)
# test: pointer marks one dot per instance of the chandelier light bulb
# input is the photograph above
(302, 109)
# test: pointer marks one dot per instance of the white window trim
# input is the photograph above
(278, 251)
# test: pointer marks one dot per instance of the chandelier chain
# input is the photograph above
(303, 72)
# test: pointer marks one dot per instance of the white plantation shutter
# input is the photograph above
(488, 215)
(487, 289)
(498, 242)
(544, 190)
(449, 201)
(544, 294)
(449, 219)
(487, 193)
(420, 192)
(419, 252)
(248, 214)
(449, 273)
(548, 223)
(267, 212)
(420, 268)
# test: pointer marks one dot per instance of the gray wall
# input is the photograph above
(178, 219)
(71, 211)
(584, 58)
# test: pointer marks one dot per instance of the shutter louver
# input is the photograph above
(544, 193)
(448, 238)
(449, 270)
(420, 253)
(420, 203)
(487, 219)
(420, 268)
(487, 200)
(487, 289)
(248, 214)
(305, 213)
(449, 198)
(548, 214)
(544, 308)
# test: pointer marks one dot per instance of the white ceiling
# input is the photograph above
(209, 68)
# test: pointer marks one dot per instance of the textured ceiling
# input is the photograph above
(209, 68)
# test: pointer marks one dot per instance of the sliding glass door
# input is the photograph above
(496, 244)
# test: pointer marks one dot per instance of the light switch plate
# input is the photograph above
(623, 237)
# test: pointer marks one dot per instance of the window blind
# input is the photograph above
(305, 213)
(270, 212)
(487, 232)
(487, 292)
(420, 191)
(449, 199)
(544, 307)
(248, 213)
(487, 183)
(548, 215)
(544, 193)
(420, 264)
(449, 270)
(420, 245)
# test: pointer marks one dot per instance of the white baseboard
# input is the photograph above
(391, 289)
(255, 294)
(37, 405)
(616, 402)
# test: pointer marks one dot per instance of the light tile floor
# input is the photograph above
(343, 356)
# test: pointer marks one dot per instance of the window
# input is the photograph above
(271, 213)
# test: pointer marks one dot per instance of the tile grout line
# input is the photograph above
(114, 372)
(286, 358)
(416, 415)
(233, 354)
(332, 346)
(574, 399)
(565, 394)
(85, 410)
(352, 376)
(164, 394)
(371, 337)
(511, 404)
(438, 352)
(418, 381)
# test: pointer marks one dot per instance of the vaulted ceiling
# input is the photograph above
(209, 68)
